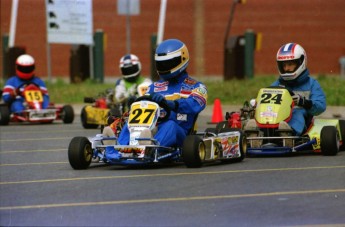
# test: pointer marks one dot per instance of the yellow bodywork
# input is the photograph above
(315, 130)
(273, 106)
(96, 116)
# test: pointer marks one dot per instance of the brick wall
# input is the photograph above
(318, 25)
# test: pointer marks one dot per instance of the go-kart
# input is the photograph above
(227, 145)
(273, 105)
(34, 112)
(103, 107)
(92, 116)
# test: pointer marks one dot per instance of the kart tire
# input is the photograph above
(342, 131)
(193, 151)
(4, 115)
(83, 119)
(67, 114)
(79, 153)
(329, 141)
(243, 144)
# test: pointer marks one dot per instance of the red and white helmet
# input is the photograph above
(25, 66)
(130, 66)
(291, 52)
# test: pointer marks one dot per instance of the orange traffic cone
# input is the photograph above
(217, 115)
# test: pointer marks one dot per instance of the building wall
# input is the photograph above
(318, 25)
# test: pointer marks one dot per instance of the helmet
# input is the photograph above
(25, 66)
(171, 58)
(130, 67)
(295, 53)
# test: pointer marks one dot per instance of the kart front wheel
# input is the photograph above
(67, 114)
(80, 153)
(329, 141)
(193, 151)
(4, 115)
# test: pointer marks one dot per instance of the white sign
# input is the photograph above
(69, 21)
(128, 7)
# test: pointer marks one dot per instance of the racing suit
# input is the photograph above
(125, 90)
(309, 88)
(190, 96)
(12, 92)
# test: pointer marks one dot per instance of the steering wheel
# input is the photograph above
(26, 84)
(162, 104)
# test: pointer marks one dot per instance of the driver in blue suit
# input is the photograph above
(185, 96)
(309, 98)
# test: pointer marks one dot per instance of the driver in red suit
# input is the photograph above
(15, 85)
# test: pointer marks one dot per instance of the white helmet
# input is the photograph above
(291, 52)
(25, 67)
(130, 66)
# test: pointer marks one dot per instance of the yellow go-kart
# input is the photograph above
(273, 105)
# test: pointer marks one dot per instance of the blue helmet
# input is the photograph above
(171, 58)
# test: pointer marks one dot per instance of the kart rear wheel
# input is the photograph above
(242, 143)
(4, 115)
(193, 151)
(342, 131)
(83, 119)
(79, 153)
(329, 141)
(67, 114)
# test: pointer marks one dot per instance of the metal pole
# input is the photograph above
(161, 21)
(13, 23)
(128, 28)
(226, 71)
(249, 54)
(49, 70)
(233, 6)
(92, 75)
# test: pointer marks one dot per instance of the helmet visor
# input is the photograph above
(167, 65)
(129, 70)
(26, 69)
(288, 66)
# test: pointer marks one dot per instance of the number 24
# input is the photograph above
(268, 97)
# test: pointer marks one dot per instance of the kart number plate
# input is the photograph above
(33, 96)
(143, 113)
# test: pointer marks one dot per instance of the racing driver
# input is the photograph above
(309, 98)
(185, 96)
(15, 85)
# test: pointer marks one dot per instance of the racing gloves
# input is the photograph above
(302, 101)
(157, 97)
(173, 105)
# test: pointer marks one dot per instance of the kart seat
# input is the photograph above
(308, 123)
(194, 128)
